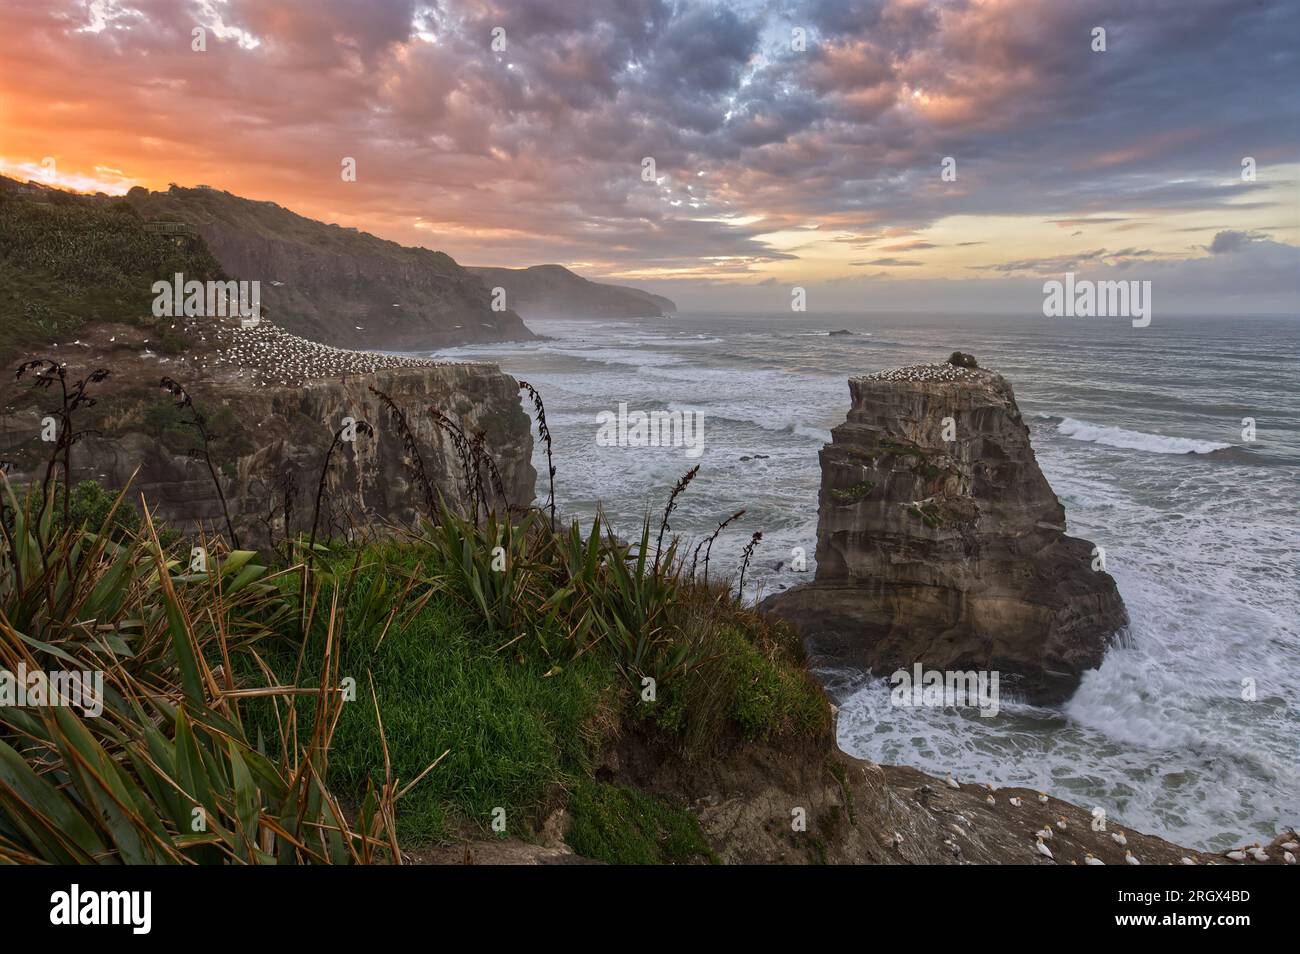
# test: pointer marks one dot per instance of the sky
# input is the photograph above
(795, 143)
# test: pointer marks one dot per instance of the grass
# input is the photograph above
(517, 729)
(413, 688)
(752, 685)
(522, 725)
(71, 260)
(623, 826)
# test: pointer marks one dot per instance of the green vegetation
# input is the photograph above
(357, 701)
(852, 495)
(963, 360)
(752, 686)
(172, 425)
(623, 826)
(928, 514)
(71, 259)
(515, 728)
(94, 508)
(154, 765)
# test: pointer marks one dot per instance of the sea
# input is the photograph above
(1175, 447)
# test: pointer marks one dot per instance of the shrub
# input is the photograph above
(963, 360)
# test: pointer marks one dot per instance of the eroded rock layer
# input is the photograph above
(940, 542)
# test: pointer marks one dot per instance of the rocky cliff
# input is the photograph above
(552, 291)
(272, 404)
(337, 285)
(940, 542)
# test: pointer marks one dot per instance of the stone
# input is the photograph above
(949, 553)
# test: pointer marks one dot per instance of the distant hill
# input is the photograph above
(552, 291)
(337, 285)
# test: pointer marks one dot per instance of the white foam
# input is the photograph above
(1134, 440)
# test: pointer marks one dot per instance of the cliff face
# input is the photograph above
(940, 542)
(265, 432)
(552, 291)
(337, 285)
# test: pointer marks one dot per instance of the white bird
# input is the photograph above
(1289, 846)
(1187, 861)
(952, 782)
(1042, 798)
(1043, 849)
(1091, 859)
(1015, 802)
(1236, 855)
(1061, 822)
(1288, 857)
(1258, 853)
(990, 799)
(1130, 859)
(1118, 838)
(1045, 833)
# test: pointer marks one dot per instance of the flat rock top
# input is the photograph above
(940, 373)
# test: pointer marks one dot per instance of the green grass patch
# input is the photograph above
(623, 826)
(854, 494)
(752, 686)
(515, 734)
(70, 260)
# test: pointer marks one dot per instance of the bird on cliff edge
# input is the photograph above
(1043, 849)
(1091, 859)
(1130, 858)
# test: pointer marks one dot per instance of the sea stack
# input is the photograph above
(940, 542)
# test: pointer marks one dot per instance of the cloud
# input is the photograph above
(1230, 240)
(534, 152)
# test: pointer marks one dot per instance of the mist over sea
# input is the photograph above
(1139, 432)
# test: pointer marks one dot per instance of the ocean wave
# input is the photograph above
(1133, 440)
(783, 422)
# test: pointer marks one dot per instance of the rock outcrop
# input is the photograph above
(265, 433)
(940, 542)
(552, 291)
